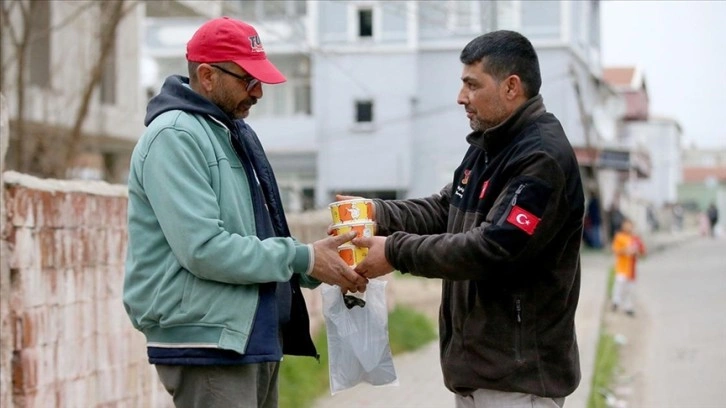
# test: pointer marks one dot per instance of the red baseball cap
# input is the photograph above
(227, 39)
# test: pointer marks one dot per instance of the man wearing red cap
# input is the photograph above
(212, 275)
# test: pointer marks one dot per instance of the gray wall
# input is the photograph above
(354, 157)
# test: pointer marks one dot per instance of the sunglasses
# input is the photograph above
(249, 80)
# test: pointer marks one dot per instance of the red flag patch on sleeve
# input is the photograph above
(523, 219)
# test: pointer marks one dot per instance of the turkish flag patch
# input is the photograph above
(523, 219)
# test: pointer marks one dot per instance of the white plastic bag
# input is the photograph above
(358, 349)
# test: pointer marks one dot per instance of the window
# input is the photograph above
(274, 9)
(365, 23)
(364, 111)
(39, 61)
(460, 14)
(541, 19)
(302, 99)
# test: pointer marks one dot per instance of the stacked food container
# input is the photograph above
(353, 215)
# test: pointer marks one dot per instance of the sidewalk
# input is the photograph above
(419, 373)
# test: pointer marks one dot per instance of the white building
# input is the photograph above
(661, 138)
(655, 139)
(63, 47)
(370, 105)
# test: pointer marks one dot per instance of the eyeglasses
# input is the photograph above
(249, 80)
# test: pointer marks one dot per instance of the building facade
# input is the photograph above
(61, 52)
(370, 104)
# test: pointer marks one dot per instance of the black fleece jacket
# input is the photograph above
(505, 238)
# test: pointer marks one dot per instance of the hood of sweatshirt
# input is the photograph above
(176, 94)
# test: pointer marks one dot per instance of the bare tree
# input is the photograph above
(113, 12)
(17, 24)
(20, 42)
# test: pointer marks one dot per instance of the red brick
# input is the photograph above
(25, 372)
(24, 249)
(79, 206)
(48, 209)
(45, 240)
(20, 205)
(50, 280)
(29, 325)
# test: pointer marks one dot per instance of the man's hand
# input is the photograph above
(330, 268)
(375, 263)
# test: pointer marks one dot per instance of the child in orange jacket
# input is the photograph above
(627, 247)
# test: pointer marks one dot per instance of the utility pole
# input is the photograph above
(591, 171)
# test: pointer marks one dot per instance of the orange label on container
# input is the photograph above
(352, 255)
(351, 211)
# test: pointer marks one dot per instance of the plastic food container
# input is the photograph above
(351, 254)
(362, 229)
(359, 209)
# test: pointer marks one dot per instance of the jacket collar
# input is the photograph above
(495, 138)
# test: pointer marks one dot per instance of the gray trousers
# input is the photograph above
(239, 386)
(499, 399)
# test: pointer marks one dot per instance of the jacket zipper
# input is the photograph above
(518, 330)
(511, 204)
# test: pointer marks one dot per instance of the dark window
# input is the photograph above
(308, 199)
(39, 60)
(302, 99)
(364, 111)
(365, 23)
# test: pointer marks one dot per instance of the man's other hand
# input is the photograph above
(331, 269)
(375, 263)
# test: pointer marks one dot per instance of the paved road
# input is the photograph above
(675, 355)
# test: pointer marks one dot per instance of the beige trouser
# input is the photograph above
(500, 399)
(240, 386)
(624, 293)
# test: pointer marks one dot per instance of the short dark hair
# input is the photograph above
(192, 68)
(507, 53)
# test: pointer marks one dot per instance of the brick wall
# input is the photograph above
(65, 339)
(70, 340)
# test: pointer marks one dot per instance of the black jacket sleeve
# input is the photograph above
(528, 213)
(418, 216)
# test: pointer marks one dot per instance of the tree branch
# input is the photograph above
(109, 28)
(40, 34)
(6, 13)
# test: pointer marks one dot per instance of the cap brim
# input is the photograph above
(263, 70)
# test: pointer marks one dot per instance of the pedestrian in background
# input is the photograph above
(712, 215)
(593, 222)
(505, 238)
(627, 248)
(615, 219)
(212, 275)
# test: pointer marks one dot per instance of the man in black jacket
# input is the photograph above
(504, 237)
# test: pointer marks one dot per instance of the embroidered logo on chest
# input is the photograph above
(465, 180)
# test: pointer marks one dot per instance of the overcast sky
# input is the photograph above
(681, 45)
